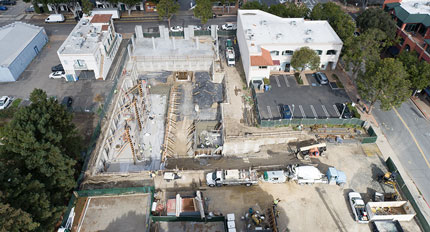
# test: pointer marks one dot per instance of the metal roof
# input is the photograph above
(407, 13)
(14, 38)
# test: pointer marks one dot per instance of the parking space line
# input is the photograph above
(325, 111)
(301, 111)
(269, 111)
(277, 81)
(313, 111)
(335, 109)
(286, 81)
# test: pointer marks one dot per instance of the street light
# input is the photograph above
(292, 112)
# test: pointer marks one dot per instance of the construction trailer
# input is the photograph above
(390, 210)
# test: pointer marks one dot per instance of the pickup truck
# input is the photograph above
(232, 177)
(358, 207)
(230, 57)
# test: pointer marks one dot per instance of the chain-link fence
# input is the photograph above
(404, 189)
(202, 32)
(224, 33)
(151, 34)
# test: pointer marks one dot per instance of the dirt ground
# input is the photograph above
(85, 124)
(319, 207)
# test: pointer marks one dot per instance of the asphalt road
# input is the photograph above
(409, 135)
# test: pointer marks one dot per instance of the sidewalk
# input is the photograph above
(382, 142)
(422, 104)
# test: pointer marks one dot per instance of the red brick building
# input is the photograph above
(413, 25)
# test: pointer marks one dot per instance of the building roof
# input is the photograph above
(412, 11)
(265, 59)
(105, 27)
(84, 38)
(14, 38)
(261, 28)
(101, 18)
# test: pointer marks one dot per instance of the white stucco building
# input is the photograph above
(91, 46)
(267, 42)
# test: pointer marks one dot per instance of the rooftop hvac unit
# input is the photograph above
(263, 22)
(308, 40)
(416, 5)
(279, 35)
(293, 23)
(308, 31)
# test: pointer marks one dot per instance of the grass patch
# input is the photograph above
(298, 78)
(338, 82)
(353, 111)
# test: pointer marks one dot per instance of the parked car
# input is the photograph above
(30, 9)
(3, 8)
(55, 18)
(343, 110)
(67, 102)
(176, 29)
(5, 102)
(321, 78)
(197, 28)
(7, 2)
(285, 112)
(57, 75)
(229, 26)
(57, 68)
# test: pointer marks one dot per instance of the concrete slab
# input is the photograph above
(116, 213)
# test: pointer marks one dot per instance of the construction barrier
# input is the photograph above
(224, 33)
(405, 191)
(187, 219)
(202, 33)
(150, 35)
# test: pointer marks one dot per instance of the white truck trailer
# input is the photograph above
(113, 11)
(390, 210)
(232, 177)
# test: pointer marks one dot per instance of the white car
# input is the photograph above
(57, 75)
(229, 26)
(176, 29)
(5, 102)
(197, 28)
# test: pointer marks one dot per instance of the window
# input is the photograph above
(407, 48)
(399, 23)
(319, 52)
(80, 63)
(323, 66)
(274, 53)
(428, 49)
(288, 52)
(331, 52)
(402, 41)
(262, 67)
(410, 27)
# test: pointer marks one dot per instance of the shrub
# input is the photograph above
(298, 78)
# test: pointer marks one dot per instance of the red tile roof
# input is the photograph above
(276, 62)
(264, 60)
(101, 18)
(105, 27)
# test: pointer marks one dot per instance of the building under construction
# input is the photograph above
(161, 105)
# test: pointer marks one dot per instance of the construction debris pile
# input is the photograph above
(206, 96)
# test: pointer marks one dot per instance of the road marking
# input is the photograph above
(335, 109)
(277, 81)
(413, 137)
(286, 81)
(325, 111)
(313, 111)
(269, 111)
(301, 111)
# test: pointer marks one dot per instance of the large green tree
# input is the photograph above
(203, 10)
(365, 47)
(87, 6)
(340, 21)
(305, 58)
(385, 81)
(377, 18)
(254, 5)
(418, 71)
(166, 9)
(39, 160)
(15, 220)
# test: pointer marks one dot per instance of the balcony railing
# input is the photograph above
(417, 40)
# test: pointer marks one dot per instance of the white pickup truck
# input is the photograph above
(232, 177)
(358, 207)
(230, 56)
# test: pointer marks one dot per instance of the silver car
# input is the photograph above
(321, 78)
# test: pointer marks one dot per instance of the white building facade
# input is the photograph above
(267, 42)
(91, 46)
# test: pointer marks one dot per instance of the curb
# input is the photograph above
(427, 117)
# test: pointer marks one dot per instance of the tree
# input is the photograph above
(305, 58)
(418, 71)
(39, 159)
(377, 18)
(341, 22)
(87, 6)
(365, 47)
(166, 9)
(296, 11)
(386, 81)
(255, 5)
(15, 220)
(203, 10)
(73, 5)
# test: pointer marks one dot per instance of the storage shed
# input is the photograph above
(20, 43)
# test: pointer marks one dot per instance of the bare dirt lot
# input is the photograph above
(319, 207)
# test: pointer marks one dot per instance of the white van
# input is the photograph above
(55, 18)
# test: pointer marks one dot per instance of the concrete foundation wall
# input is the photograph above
(202, 64)
(238, 147)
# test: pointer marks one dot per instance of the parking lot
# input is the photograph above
(311, 101)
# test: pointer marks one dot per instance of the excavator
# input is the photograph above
(389, 178)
